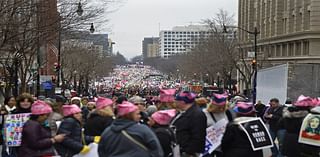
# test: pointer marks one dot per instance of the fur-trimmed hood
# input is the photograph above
(292, 112)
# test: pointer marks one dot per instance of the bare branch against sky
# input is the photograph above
(136, 19)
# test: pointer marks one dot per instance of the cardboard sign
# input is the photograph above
(214, 136)
(257, 133)
(310, 130)
(13, 128)
(92, 153)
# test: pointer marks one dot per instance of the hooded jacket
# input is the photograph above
(114, 144)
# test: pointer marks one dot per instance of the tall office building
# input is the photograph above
(289, 30)
(181, 39)
(150, 47)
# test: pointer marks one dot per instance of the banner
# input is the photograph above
(13, 128)
(310, 130)
(92, 153)
(257, 133)
(214, 136)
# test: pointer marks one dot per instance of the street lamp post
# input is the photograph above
(218, 80)
(254, 61)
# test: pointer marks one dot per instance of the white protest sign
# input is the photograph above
(310, 130)
(13, 128)
(92, 153)
(257, 133)
(214, 136)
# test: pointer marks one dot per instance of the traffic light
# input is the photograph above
(56, 67)
(254, 62)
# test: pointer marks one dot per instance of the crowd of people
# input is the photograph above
(174, 122)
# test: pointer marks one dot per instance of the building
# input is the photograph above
(289, 31)
(181, 39)
(150, 47)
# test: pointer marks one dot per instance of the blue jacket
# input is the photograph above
(114, 144)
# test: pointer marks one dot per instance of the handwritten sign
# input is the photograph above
(214, 136)
(310, 130)
(13, 128)
(257, 133)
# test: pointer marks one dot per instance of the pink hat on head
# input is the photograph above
(40, 107)
(103, 102)
(163, 117)
(125, 108)
(70, 110)
(167, 95)
(305, 101)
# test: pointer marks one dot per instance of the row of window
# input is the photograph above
(183, 43)
(187, 46)
(183, 32)
(175, 49)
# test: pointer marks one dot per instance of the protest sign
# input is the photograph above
(92, 153)
(214, 136)
(310, 130)
(257, 133)
(13, 128)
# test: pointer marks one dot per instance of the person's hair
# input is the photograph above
(7, 99)
(34, 117)
(24, 96)
(274, 100)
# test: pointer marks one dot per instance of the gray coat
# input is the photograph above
(115, 144)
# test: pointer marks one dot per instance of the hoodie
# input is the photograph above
(114, 144)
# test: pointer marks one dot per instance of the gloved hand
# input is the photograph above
(85, 150)
(97, 139)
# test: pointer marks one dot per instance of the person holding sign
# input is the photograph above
(216, 111)
(235, 142)
(36, 135)
(75, 142)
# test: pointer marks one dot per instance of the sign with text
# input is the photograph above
(13, 128)
(214, 136)
(257, 133)
(310, 130)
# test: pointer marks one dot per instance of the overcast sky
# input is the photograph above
(137, 19)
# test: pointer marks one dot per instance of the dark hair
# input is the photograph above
(34, 117)
(7, 99)
(274, 100)
(21, 98)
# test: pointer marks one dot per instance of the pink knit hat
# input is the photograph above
(40, 107)
(70, 110)
(163, 117)
(167, 95)
(103, 102)
(305, 101)
(125, 108)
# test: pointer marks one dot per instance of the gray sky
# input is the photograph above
(137, 19)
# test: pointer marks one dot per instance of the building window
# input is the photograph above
(306, 48)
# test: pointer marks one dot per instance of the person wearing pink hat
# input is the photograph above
(36, 136)
(100, 118)
(126, 137)
(167, 99)
(75, 142)
(159, 122)
(216, 111)
(235, 142)
(293, 117)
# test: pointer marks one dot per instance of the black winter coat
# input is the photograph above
(36, 140)
(235, 142)
(191, 130)
(292, 121)
(276, 117)
(166, 137)
(73, 143)
(96, 123)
